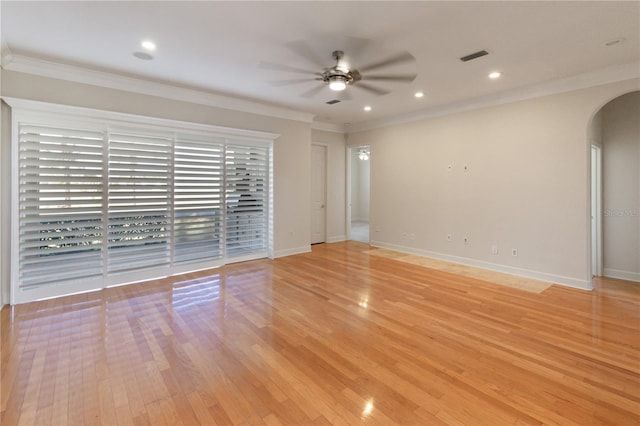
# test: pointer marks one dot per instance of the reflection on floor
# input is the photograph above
(527, 284)
(360, 231)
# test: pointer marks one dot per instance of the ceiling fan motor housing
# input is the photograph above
(339, 73)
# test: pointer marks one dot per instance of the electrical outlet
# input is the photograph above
(466, 241)
(514, 252)
(494, 249)
(450, 168)
(465, 168)
(449, 237)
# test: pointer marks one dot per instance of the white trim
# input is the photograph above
(5, 52)
(67, 288)
(15, 211)
(590, 79)
(29, 65)
(292, 251)
(621, 275)
(336, 239)
(596, 210)
(526, 273)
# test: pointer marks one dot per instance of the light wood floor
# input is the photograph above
(336, 336)
(526, 284)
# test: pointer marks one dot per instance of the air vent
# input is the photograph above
(476, 55)
(335, 101)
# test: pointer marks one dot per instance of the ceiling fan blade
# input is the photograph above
(304, 50)
(279, 83)
(390, 77)
(313, 92)
(370, 88)
(281, 67)
(393, 60)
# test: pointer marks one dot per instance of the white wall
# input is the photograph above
(336, 182)
(621, 187)
(527, 186)
(292, 150)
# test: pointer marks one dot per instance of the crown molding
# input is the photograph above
(329, 127)
(5, 51)
(581, 81)
(29, 65)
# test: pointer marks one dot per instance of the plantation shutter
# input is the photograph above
(198, 208)
(60, 172)
(139, 214)
(101, 199)
(246, 200)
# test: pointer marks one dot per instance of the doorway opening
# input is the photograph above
(614, 137)
(359, 189)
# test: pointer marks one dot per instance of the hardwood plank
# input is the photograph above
(341, 335)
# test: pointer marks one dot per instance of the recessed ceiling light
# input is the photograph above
(419, 94)
(143, 55)
(494, 75)
(149, 45)
(367, 108)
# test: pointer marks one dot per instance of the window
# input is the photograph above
(98, 202)
(139, 201)
(246, 195)
(198, 199)
(61, 229)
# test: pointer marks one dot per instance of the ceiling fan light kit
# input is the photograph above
(337, 82)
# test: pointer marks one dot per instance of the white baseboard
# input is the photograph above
(292, 251)
(336, 239)
(526, 273)
(621, 275)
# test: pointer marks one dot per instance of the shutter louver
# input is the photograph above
(60, 204)
(198, 180)
(139, 202)
(246, 200)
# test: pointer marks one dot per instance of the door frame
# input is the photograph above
(596, 210)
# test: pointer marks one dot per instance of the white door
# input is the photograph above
(318, 193)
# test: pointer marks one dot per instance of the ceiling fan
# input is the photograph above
(341, 75)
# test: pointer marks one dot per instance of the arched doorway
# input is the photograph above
(614, 139)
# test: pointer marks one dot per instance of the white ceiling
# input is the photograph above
(219, 47)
